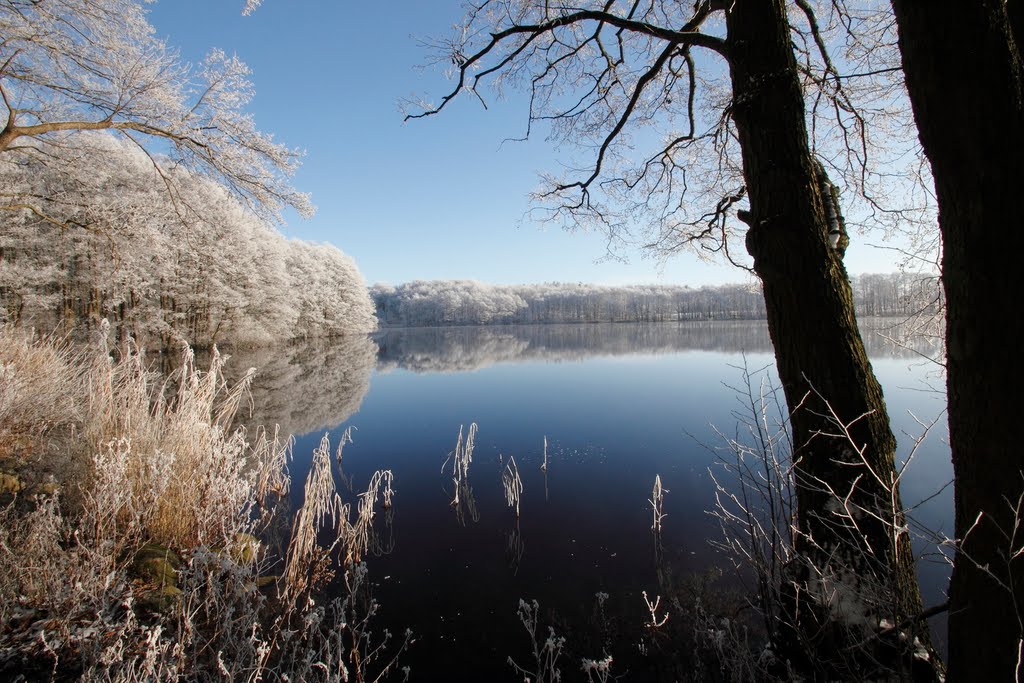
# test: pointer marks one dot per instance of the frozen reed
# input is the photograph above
(657, 502)
(322, 504)
(462, 456)
(545, 652)
(655, 621)
(598, 670)
(40, 381)
(460, 459)
(157, 472)
(512, 484)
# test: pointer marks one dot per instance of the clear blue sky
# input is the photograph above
(440, 198)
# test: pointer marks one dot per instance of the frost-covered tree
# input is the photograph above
(77, 65)
(137, 188)
(328, 291)
(207, 270)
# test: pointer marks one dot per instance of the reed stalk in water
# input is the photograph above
(512, 483)
(657, 502)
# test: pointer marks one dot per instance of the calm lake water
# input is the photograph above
(618, 404)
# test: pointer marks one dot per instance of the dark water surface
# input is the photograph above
(619, 404)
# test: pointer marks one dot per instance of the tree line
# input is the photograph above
(196, 265)
(467, 302)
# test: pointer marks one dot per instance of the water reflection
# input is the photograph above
(317, 384)
(638, 408)
(382, 540)
(308, 386)
(462, 349)
(464, 503)
(514, 548)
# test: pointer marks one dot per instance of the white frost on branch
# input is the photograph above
(73, 65)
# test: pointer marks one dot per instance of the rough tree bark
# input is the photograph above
(818, 348)
(965, 75)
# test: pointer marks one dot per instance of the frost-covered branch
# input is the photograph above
(80, 65)
(639, 95)
(843, 585)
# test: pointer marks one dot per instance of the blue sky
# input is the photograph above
(440, 198)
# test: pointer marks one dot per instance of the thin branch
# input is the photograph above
(688, 35)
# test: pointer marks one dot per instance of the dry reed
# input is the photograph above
(39, 383)
(657, 502)
(165, 472)
(461, 458)
(512, 484)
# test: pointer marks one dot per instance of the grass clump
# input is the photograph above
(145, 561)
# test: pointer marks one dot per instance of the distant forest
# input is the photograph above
(467, 302)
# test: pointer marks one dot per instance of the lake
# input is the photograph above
(618, 404)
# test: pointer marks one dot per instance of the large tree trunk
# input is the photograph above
(965, 77)
(820, 358)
